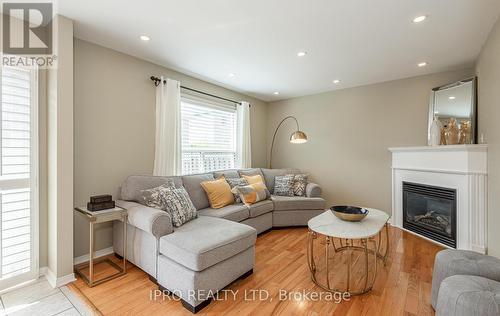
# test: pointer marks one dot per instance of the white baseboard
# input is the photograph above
(55, 281)
(97, 254)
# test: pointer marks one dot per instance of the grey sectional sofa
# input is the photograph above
(208, 253)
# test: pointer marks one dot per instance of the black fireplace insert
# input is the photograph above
(431, 211)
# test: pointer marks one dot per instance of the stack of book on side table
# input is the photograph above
(100, 202)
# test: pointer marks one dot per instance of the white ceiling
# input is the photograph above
(356, 41)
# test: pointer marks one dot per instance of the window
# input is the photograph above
(18, 138)
(208, 133)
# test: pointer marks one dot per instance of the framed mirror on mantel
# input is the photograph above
(453, 114)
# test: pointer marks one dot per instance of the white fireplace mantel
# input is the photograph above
(460, 167)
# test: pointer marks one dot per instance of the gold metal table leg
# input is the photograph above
(327, 256)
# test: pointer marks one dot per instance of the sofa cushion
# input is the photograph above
(270, 174)
(206, 241)
(192, 184)
(234, 212)
(231, 173)
(285, 203)
(261, 208)
(133, 185)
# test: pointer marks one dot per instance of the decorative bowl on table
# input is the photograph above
(349, 213)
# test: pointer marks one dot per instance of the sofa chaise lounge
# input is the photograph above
(210, 252)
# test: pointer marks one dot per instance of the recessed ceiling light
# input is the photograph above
(301, 54)
(336, 81)
(231, 75)
(452, 98)
(145, 38)
(276, 93)
(422, 64)
(420, 18)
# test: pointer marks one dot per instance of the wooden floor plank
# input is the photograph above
(402, 286)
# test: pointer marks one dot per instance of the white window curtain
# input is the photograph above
(244, 141)
(168, 129)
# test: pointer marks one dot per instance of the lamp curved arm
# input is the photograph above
(274, 136)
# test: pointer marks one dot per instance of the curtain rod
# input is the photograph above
(158, 80)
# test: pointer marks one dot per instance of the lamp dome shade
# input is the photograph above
(298, 137)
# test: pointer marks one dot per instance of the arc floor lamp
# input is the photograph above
(297, 137)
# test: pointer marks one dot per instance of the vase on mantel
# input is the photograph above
(452, 133)
(435, 133)
(443, 138)
(465, 133)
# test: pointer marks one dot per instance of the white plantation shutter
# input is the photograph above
(16, 122)
(208, 137)
(16, 229)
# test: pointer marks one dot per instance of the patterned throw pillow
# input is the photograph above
(179, 205)
(299, 184)
(153, 197)
(235, 182)
(252, 193)
(283, 185)
(173, 200)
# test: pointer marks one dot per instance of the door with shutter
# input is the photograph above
(18, 176)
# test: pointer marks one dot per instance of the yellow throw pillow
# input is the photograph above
(253, 179)
(252, 193)
(218, 192)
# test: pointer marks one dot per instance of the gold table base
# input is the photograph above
(349, 246)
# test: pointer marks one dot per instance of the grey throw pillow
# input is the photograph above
(178, 204)
(283, 185)
(299, 184)
(153, 197)
(236, 182)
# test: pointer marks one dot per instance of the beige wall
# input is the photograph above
(349, 132)
(488, 72)
(114, 125)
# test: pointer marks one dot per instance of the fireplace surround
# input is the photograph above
(458, 169)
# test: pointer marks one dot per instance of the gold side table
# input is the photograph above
(97, 217)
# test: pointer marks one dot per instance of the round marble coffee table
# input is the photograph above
(365, 232)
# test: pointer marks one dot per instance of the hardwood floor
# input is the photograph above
(402, 287)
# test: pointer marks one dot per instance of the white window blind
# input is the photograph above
(15, 167)
(208, 137)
